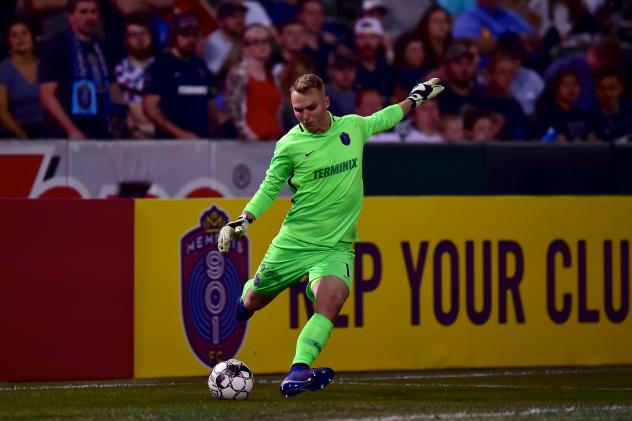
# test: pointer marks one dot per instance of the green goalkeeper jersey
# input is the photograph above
(324, 173)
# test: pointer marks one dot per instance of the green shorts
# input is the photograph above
(289, 260)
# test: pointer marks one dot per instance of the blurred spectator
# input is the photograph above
(130, 76)
(370, 101)
(8, 11)
(298, 66)
(255, 13)
(564, 18)
(202, 10)
(612, 115)
(74, 78)
(342, 77)
(512, 122)
(604, 53)
(318, 42)
(435, 31)
(374, 72)
(291, 35)
(21, 113)
(558, 110)
(179, 89)
(252, 97)
(527, 85)
(409, 66)
(51, 15)
(159, 13)
(282, 10)
(459, 70)
(403, 15)
(377, 9)
(456, 7)
(223, 47)
(451, 128)
(486, 21)
(478, 125)
(425, 124)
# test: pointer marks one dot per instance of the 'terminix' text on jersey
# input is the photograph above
(324, 172)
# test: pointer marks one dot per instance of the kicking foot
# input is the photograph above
(301, 380)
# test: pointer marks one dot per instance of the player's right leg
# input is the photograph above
(279, 270)
(250, 302)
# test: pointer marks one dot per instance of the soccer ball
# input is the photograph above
(231, 380)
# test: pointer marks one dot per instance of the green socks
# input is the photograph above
(312, 339)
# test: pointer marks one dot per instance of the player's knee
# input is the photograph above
(330, 306)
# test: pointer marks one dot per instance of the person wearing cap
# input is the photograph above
(342, 77)
(74, 78)
(374, 70)
(222, 47)
(179, 90)
(459, 69)
(320, 158)
(377, 9)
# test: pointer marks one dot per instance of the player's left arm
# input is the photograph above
(388, 117)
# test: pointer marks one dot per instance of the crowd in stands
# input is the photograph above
(530, 70)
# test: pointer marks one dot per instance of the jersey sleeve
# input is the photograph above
(382, 120)
(278, 173)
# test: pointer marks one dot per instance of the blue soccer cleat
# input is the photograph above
(300, 380)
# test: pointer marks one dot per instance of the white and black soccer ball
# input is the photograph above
(231, 380)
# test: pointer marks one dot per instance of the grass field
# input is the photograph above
(601, 393)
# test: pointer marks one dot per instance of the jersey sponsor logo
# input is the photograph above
(345, 138)
(211, 284)
(336, 168)
(308, 154)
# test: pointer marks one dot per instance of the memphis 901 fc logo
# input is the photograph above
(211, 284)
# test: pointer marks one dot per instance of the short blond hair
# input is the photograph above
(306, 82)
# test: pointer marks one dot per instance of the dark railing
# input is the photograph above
(498, 169)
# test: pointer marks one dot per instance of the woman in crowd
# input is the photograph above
(21, 112)
(435, 31)
(558, 116)
(408, 65)
(252, 97)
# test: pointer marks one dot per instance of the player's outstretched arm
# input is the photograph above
(421, 93)
(233, 231)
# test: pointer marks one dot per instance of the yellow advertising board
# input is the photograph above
(439, 282)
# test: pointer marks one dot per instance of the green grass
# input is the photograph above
(557, 394)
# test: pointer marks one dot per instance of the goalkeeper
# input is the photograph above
(321, 161)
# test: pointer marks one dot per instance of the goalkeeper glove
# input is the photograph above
(422, 92)
(232, 231)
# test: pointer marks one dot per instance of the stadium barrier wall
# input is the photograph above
(178, 169)
(454, 282)
(118, 289)
(66, 289)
